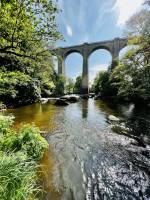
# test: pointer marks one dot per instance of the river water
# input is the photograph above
(91, 157)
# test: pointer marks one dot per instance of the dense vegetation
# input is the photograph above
(27, 31)
(65, 85)
(19, 155)
(78, 85)
(130, 79)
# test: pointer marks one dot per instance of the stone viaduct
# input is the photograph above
(113, 46)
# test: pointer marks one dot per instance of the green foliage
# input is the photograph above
(17, 177)
(47, 88)
(69, 86)
(103, 86)
(18, 88)
(130, 79)
(78, 85)
(28, 140)
(132, 75)
(32, 142)
(59, 83)
(5, 123)
(26, 26)
(19, 155)
(28, 30)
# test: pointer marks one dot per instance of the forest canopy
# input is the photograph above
(28, 30)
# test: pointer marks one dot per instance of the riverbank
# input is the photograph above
(20, 155)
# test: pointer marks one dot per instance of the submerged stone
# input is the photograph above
(85, 96)
(70, 98)
(61, 102)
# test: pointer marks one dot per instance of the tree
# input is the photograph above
(132, 76)
(69, 86)
(17, 88)
(78, 85)
(59, 83)
(27, 27)
(27, 31)
(103, 86)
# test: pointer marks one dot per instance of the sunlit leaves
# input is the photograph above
(25, 25)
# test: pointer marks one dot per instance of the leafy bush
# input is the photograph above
(60, 82)
(32, 142)
(78, 85)
(102, 85)
(28, 140)
(18, 88)
(5, 123)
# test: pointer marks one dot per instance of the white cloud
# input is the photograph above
(126, 8)
(69, 30)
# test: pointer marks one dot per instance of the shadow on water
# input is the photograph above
(89, 158)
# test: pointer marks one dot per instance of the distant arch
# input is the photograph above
(73, 65)
(99, 60)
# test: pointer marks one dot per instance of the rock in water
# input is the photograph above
(113, 118)
(70, 98)
(61, 102)
(85, 96)
(91, 95)
(44, 100)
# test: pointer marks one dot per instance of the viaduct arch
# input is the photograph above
(113, 46)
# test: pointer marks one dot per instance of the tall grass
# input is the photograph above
(19, 156)
(17, 178)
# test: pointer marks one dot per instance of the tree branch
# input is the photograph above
(18, 54)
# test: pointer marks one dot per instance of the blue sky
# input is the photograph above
(83, 21)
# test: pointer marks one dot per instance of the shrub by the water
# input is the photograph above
(18, 88)
(5, 124)
(19, 155)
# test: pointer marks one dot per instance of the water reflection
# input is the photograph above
(41, 114)
(84, 108)
(88, 161)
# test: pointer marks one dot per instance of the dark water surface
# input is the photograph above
(91, 158)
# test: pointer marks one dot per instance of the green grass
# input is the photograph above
(17, 178)
(20, 153)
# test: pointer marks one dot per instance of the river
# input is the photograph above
(91, 157)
